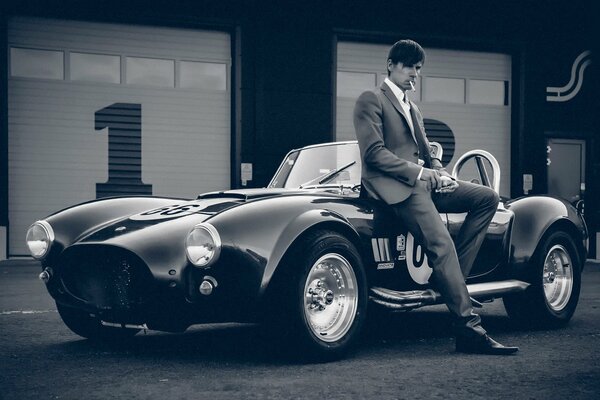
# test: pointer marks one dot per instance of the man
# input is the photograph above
(392, 142)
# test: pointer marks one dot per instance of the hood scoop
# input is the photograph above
(245, 194)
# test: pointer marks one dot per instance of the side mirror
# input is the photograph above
(436, 150)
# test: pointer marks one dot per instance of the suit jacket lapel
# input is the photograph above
(394, 100)
(419, 134)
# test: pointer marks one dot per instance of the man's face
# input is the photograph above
(402, 75)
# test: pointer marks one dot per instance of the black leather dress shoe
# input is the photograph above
(482, 345)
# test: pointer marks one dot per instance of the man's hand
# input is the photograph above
(432, 178)
(443, 172)
(449, 185)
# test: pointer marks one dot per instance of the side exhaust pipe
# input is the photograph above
(409, 300)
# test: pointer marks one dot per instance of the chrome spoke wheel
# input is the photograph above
(330, 297)
(557, 278)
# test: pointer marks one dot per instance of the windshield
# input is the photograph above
(308, 166)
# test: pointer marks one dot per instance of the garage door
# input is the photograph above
(102, 109)
(464, 98)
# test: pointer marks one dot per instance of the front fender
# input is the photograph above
(263, 231)
(537, 215)
(75, 222)
(302, 223)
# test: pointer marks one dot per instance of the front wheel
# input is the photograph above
(83, 324)
(323, 296)
(555, 280)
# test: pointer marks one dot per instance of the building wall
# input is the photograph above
(284, 66)
(115, 109)
(577, 118)
(3, 142)
(287, 84)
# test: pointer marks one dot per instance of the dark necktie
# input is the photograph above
(405, 100)
(419, 135)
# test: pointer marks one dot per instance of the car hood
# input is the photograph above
(181, 215)
(158, 235)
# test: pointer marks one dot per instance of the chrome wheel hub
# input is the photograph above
(330, 297)
(320, 296)
(557, 278)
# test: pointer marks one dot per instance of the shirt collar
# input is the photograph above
(395, 89)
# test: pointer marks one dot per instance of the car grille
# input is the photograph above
(105, 277)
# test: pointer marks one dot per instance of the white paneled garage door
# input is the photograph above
(464, 97)
(103, 109)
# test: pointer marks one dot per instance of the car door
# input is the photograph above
(397, 261)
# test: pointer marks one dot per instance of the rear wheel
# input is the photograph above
(555, 280)
(83, 324)
(322, 299)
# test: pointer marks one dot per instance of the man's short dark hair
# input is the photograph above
(406, 51)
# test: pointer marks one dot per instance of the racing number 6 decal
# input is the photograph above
(167, 212)
(418, 255)
(124, 123)
(416, 261)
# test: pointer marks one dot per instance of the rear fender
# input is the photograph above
(535, 217)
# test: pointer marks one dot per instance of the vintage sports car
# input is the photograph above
(306, 257)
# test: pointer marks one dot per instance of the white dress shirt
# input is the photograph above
(401, 98)
(400, 95)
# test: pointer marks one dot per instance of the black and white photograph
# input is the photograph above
(262, 199)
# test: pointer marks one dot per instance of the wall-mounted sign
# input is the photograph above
(570, 90)
(527, 183)
(246, 169)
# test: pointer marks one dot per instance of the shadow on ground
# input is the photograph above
(249, 343)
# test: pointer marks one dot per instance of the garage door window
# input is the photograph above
(30, 63)
(352, 84)
(95, 68)
(444, 90)
(201, 75)
(150, 72)
(488, 92)
(142, 71)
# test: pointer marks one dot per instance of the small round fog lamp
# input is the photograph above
(206, 288)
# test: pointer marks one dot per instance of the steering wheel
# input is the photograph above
(480, 157)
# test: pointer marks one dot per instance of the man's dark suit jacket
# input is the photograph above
(389, 148)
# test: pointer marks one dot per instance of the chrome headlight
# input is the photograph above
(40, 237)
(203, 245)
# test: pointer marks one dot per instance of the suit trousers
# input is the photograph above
(451, 262)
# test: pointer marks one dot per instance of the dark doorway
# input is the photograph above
(566, 169)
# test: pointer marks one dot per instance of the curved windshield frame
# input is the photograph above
(307, 165)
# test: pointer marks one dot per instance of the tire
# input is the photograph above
(321, 297)
(555, 278)
(84, 325)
